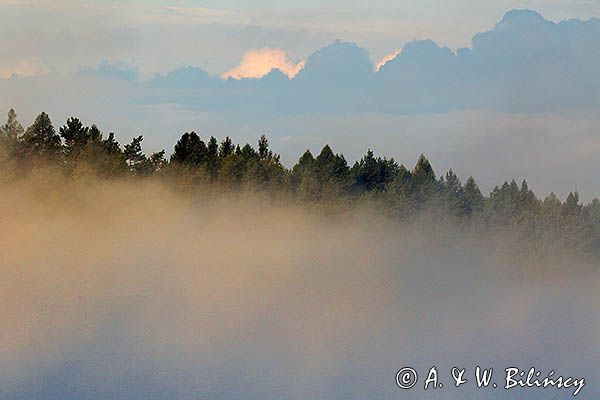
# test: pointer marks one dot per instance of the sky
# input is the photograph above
(157, 36)
(520, 103)
(310, 307)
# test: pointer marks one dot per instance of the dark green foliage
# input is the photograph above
(110, 145)
(247, 152)
(453, 194)
(13, 129)
(424, 184)
(137, 161)
(226, 148)
(332, 172)
(325, 179)
(133, 152)
(10, 135)
(301, 170)
(473, 201)
(212, 148)
(423, 174)
(154, 163)
(83, 145)
(372, 173)
(212, 158)
(263, 147)
(40, 140)
(190, 150)
(73, 133)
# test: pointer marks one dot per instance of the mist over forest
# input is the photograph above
(291, 199)
(324, 180)
(216, 272)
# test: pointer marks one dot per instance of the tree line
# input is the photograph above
(324, 179)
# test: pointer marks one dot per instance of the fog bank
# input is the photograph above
(128, 290)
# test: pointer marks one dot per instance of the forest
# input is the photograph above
(324, 181)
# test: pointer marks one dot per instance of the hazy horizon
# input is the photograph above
(219, 270)
(526, 80)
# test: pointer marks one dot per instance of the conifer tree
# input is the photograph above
(212, 148)
(212, 163)
(303, 167)
(453, 194)
(226, 148)
(13, 129)
(473, 199)
(263, 147)
(571, 208)
(423, 173)
(73, 133)
(189, 150)
(133, 154)
(41, 139)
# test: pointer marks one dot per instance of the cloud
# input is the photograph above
(120, 71)
(258, 63)
(525, 66)
(23, 68)
(202, 13)
(385, 59)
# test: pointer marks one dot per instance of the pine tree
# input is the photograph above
(453, 194)
(226, 148)
(423, 173)
(74, 133)
(247, 152)
(304, 166)
(263, 147)
(372, 173)
(154, 163)
(212, 163)
(212, 148)
(13, 129)
(112, 160)
(80, 140)
(424, 183)
(41, 139)
(111, 146)
(332, 173)
(473, 201)
(189, 150)
(133, 154)
(572, 208)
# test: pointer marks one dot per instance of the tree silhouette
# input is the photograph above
(325, 179)
(41, 140)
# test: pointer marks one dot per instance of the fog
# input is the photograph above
(554, 151)
(130, 290)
